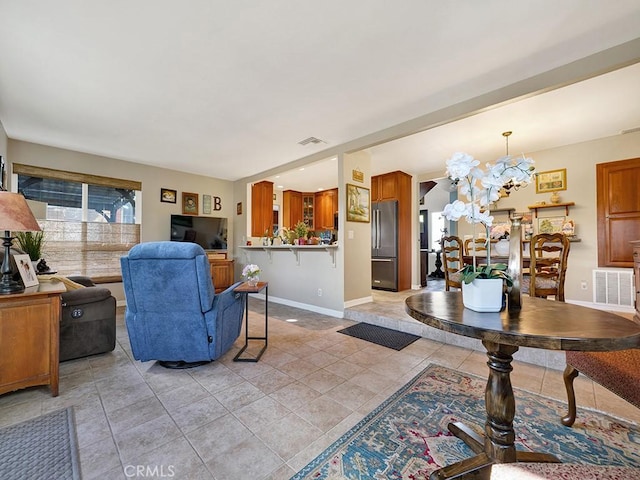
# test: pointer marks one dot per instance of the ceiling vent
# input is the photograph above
(309, 140)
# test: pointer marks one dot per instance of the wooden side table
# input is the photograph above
(29, 337)
(246, 289)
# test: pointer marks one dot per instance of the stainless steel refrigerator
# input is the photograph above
(384, 245)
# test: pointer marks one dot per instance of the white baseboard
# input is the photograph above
(304, 306)
(358, 301)
(601, 306)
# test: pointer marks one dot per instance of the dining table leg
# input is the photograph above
(497, 445)
(500, 404)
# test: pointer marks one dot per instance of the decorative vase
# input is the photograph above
(483, 295)
(253, 281)
(502, 247)
(555, 198)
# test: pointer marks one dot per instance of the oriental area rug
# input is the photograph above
(42, 448)
(406, 437)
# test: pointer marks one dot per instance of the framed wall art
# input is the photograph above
(358, 203)
(206, 204)
(551, 181)
(189, 203)
(168, 196)
(239, 208)
(26, 269)
(550, 224)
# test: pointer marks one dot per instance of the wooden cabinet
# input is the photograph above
(397, 186)
(29, 338)
(388, 186)
(308, 204)
(261, 208)
(291, 208)
(636, 269)
(221, 273)
(326, 206)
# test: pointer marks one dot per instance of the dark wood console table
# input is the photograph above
(540, 323)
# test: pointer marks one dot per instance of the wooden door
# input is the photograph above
(618, 206)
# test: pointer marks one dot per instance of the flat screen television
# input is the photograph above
(208, 232)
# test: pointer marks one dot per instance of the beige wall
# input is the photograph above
(580, 161)
(156, 214)
(355, 237)
(3, 141)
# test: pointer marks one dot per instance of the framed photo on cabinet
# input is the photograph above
(26, 269)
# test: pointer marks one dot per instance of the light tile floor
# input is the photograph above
(230, 420)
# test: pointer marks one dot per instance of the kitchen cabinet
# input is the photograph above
(308, 204)
(636, 268)
(388, 186)
(326, 206)
(261, 208)
(291, 208)
(397, 186)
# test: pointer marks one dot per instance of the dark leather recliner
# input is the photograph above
(88, 322)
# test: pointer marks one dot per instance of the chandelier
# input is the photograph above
(511, 184)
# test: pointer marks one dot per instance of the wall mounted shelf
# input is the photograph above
(564, 205)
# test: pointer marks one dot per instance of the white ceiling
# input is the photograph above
(227, 89)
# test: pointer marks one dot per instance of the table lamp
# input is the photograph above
(15, 215)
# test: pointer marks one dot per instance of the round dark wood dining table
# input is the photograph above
(540, 323)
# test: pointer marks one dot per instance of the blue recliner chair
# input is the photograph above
(173, 314)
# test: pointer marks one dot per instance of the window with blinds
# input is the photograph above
(89, 222)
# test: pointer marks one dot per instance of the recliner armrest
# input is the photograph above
(83, 296)
(82, 280)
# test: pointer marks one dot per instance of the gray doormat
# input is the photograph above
(41, 448)
(386, 337)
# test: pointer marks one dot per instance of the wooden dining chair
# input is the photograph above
(548, 266)
(451, 247)
(480, 245)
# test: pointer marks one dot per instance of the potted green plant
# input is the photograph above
(30, 243)
(301, 230)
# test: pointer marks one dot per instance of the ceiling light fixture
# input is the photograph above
(511, 184)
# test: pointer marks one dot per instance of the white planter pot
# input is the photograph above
(502, 247)
(483, 295)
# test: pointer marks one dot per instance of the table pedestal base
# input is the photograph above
(498, 443)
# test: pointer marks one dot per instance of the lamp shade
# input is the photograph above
(15, 214)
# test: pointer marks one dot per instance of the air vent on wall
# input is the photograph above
(309, 140)
(613, 287)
